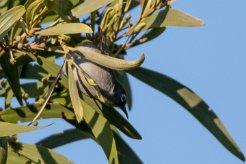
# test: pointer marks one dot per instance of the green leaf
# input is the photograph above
(102, 131)
(150, 35)
(4, 4)
(3, 149)
(8, 19)
(88, 6)
(35, 90)
(65, 137)
(108, 61)
(12, 74)
(8, 95)
(190, 101)
(109, 113)
(50, 17)
(50, 67)
(24, 114)
(20, 153)
(65, 28)
(60, 7)
(8, 129)
(30, 71)
(120, 122)
(113, 117)
(125, 153)
(33, 8)
(74, 94)
(171, 17)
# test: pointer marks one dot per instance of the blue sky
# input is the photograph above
(211, 61)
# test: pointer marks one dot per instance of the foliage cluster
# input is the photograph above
(34, 34)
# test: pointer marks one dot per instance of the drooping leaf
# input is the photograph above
(102, 131)
(113, 117)
(8, 129)
(9, 18)
(12, 74)
(108, 61)
(110, 113)
(65, 137)
(31, 71)
(88, 6)
(74, 94)
(121, 123)
(32, 90)
(190, 101)
(171, 17)
(125, 153)
(35, 90)
(65, 28)
(24, 114)
(20, 153)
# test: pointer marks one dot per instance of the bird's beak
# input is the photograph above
(123, 108)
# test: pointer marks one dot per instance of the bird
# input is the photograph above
(112, 91)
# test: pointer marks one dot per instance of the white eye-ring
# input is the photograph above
(123, 98)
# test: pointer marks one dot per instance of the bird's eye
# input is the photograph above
(123, 98)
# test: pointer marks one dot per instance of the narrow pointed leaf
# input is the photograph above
(125, 153)
(88, 6)
(108, 61)
(114, 118)
(24, 114)
(65, 28)
(74, 94)
(65, 137)
(9, 18)
(12, 74)
(31, 71)
(171, 17)
(152, 34)
(190, 101)
(8, 96)
(8, 129)
(102, 131)
(109, 113)
(50, 67)
(32, 10)
(20, 153)
(121, 123)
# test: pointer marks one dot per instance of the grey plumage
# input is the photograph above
(113, 93)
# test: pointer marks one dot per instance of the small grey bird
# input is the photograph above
(111, 90)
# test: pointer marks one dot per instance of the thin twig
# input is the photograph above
(48, 95)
